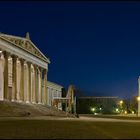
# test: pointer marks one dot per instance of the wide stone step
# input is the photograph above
(8, 108)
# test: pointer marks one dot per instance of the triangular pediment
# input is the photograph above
(25, 44)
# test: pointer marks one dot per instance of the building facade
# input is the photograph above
(102, 105)
(23, 72)
(54, 91)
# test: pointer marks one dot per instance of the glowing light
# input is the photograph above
(117, 109)
(100, 108)
(121, 102)
(132, 112)
(93, 109)
(138, 98)
(0, 51)
(125, 112)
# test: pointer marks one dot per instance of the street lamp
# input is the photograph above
(138, 99)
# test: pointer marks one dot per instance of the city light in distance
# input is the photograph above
(121, 102)
(93, 109)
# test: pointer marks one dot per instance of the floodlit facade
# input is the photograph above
(23, 72)
(54, 91)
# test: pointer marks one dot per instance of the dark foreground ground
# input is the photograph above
(33, 121)
(124, 117)
(68, 129)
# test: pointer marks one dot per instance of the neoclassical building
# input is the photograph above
(23, 72)
(53, 91)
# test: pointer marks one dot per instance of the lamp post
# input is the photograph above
(138, 98)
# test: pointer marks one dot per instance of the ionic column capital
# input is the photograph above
(6, 54)
(40, 69)
(14, 58)
(28, 63)
(45, 70)
(33, 64)
(21, 60)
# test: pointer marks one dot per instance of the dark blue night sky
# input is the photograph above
(95, 46)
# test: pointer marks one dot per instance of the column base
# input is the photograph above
(33, 102)
(19, 101)
(7, 100)
(13, 100)
(27, 102)
(1, 99)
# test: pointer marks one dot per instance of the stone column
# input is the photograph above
(48, 97)
(14, 78)
(26, 83)
(1, 76)
(45, 86)
(29, 80)
(40, 87)
(34, 85)
(22, 80)
(6, 88)
(18, 70)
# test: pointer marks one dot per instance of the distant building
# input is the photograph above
(54, 91)
(95, 105)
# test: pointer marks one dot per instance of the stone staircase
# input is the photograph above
(15, 109)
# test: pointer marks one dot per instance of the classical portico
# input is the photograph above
(23, 70)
